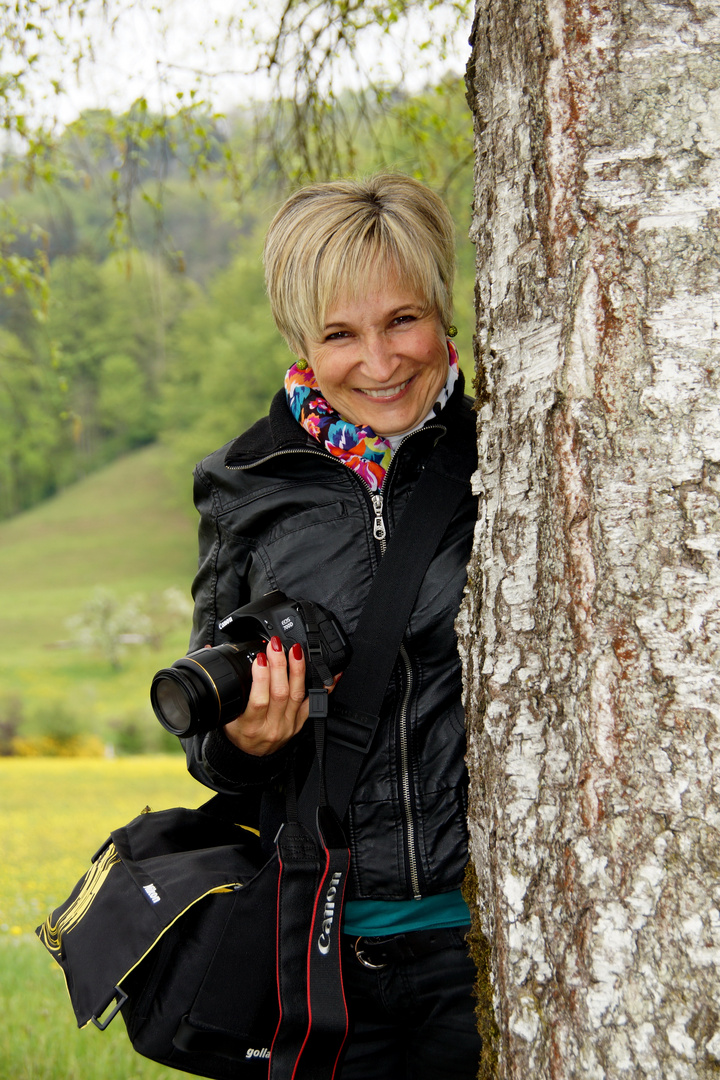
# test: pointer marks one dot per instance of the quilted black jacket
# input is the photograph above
(277, 511)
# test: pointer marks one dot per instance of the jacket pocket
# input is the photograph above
(307, 518)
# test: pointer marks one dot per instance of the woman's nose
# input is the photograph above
(380, 361)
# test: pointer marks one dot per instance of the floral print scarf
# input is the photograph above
(359, 448)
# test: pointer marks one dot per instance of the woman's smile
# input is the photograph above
(386, 393)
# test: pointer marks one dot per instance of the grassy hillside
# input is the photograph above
(119, 530)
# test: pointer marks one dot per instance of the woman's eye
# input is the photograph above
(337, 336)
(400, 319)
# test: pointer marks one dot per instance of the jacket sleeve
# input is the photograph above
(212, 758)
(204, 588)
(219, 764)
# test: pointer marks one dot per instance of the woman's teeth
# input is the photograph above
(389, 392)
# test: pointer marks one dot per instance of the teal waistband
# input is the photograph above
(380, 918)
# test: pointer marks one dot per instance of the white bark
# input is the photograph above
(591, 630)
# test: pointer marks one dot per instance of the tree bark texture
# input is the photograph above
(590, 632)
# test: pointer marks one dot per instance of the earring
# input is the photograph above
(452, 331)
(302, 365)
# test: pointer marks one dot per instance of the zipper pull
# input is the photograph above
(379, 524)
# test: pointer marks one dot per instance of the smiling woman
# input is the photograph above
(359, 277)
(383, 358)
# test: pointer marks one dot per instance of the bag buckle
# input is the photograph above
(318, 703)
(121, 997)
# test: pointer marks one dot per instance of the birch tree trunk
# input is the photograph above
(591, 629)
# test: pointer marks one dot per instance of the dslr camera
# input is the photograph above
(209, 688)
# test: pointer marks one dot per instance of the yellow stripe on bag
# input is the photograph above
(51, 935)
(248, 828)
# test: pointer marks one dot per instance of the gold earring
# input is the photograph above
(302, 365)
(452, 331)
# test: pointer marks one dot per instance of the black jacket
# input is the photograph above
(280, 512)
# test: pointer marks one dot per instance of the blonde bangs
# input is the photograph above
(332, 240)
(346, 271)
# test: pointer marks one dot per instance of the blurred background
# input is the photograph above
(144, 151)
(135, 336)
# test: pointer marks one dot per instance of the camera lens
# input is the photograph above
(172, 701)
(204, 690)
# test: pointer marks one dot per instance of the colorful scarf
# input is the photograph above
(359, 448)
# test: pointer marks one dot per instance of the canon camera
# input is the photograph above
(209, 688)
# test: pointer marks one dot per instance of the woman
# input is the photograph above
(359, 277)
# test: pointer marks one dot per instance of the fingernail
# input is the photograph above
(275, 642)
(297, 651)
(261, 659)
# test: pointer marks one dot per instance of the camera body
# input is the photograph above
(209, 688)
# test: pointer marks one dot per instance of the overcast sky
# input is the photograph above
(158, 51)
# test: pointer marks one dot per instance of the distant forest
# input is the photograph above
(150, 321)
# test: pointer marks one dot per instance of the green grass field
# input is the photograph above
(117, 529)
(55, 814)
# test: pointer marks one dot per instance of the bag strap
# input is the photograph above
(356, 702)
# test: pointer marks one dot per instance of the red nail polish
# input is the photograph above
(275, 642)
(297, 651)
(261, 659)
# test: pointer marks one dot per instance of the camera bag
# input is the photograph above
(224, 962)
(185, 926)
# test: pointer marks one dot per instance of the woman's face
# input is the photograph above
(381, 360)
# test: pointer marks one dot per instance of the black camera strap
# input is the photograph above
(312, 1008)
(356, 702)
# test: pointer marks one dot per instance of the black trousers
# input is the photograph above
(413, 1020)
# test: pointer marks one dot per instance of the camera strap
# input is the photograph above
(343, 739)
(356, 701)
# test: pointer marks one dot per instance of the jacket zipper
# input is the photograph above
(380, 534)
(404, 725)
(379, 525)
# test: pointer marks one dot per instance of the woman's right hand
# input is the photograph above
(277, 704)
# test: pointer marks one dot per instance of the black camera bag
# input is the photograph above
(176, 925)
(223, 962)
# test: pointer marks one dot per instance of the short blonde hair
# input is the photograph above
(328, 239)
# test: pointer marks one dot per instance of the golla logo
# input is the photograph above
(263, 1054)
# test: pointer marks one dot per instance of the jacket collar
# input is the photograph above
(279, 430)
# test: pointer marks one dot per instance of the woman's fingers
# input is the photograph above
(287, 680)
(296, 677)
(277, 707)
(279, 682)
(259, 696)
